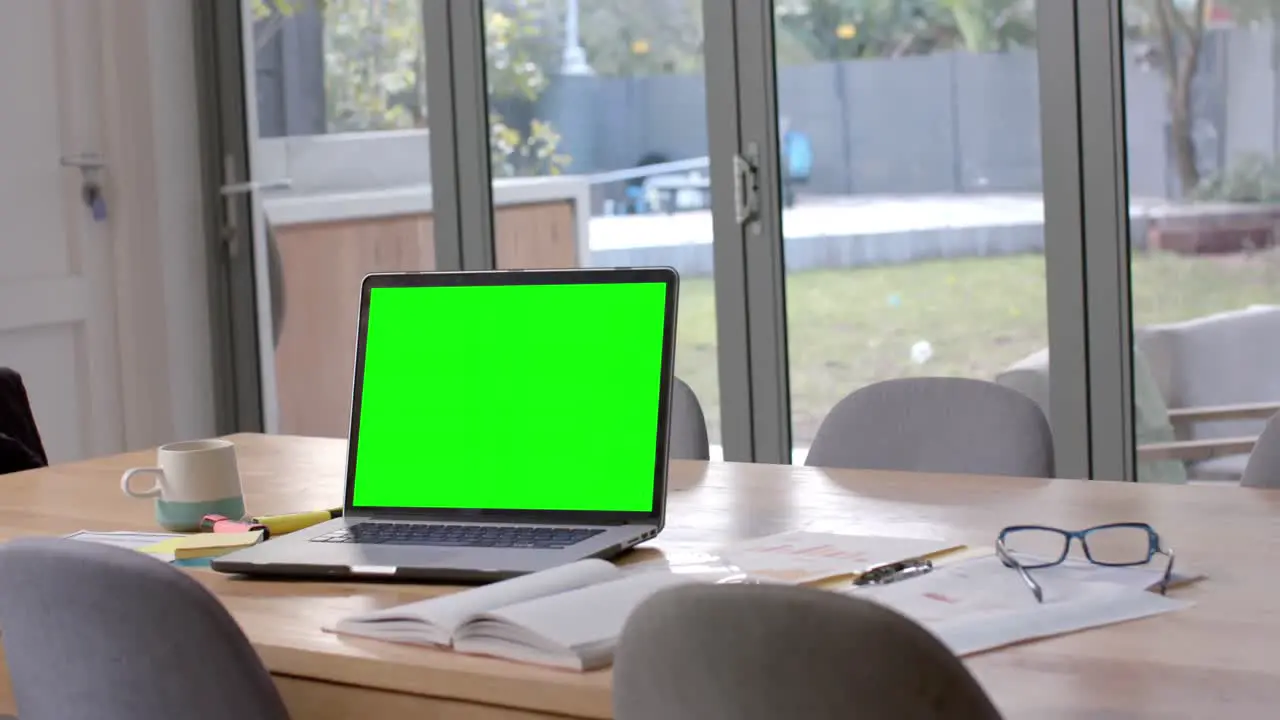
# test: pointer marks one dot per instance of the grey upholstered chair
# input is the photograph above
(765, 652)
(688, 425)
(1217, 373)
(946, 425)
(93, 632)
(1263, 468)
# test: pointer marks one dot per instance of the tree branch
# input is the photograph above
(1168, 44)
(1179, 20)
(1201, 11)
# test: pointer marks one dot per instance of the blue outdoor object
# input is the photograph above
(635, 195)
(799, 153)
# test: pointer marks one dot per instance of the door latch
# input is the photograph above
(746, 185)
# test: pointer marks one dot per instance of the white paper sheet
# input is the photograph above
(980, 604)
(121, 538)
(802, 557)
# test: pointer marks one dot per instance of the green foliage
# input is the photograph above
(375, 71)
(882, 28)
(513, 154)
(808, 29)
(642, 37)
(1250, 179)
(993, 25)
(512, 42)
(511, 51)
(375, 67)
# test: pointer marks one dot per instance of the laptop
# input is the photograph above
(502, 423)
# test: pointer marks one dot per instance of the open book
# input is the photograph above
(567, 617)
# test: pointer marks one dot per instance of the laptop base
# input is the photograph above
(296, 556)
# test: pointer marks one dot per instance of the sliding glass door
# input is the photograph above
(597, 129)
(341, 145)
(852, 191)
(913, 209)
(1202, 89)
(906, 226)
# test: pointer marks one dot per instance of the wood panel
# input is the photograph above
(535, 236)
(322, 265)
(312, 700)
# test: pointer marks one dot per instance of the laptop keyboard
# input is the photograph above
(488, 536)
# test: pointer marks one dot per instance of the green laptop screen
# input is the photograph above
(514, 397)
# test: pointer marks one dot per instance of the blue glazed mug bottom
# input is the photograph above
(186, 516)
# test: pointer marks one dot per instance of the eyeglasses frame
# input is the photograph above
(1154, 547)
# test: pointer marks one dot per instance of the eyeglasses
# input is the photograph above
(1029, 547)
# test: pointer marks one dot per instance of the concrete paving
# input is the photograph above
(833, 232)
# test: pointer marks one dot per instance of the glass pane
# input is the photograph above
(1202, 94)
(341, 117)
(598, 134)
(913, 220)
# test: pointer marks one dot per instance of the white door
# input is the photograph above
(57, 306)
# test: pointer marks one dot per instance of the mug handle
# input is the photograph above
(129, 474)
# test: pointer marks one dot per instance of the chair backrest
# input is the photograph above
(20, 445)
(1222, 359)
(1263, 469)
(762, 652)
(93, 632)
(1030, 376)
(688, 425)
(947, 425)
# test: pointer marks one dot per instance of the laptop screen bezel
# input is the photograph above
(667, 276)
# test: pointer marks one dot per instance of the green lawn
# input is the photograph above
(849, 328)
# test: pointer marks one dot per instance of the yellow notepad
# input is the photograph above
(203, 545)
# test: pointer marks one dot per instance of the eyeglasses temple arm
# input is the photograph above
(1022, 572)
(1168, 571)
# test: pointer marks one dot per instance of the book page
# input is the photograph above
(140, 541)
(803, 557)
(122, 538)
(441, 615)
(981, 604)
(577, 629)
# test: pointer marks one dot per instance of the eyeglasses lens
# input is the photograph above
(1121, 545)
(1034, 548)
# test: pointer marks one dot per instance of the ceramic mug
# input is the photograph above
(192, 479)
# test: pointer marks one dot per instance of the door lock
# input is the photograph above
(91, 168)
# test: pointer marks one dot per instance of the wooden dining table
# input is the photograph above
(1218, 659)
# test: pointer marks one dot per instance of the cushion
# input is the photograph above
(1151, 424)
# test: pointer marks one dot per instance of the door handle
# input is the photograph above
(232, 188)
(84, 161)
(239, 188)
(746, 188)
